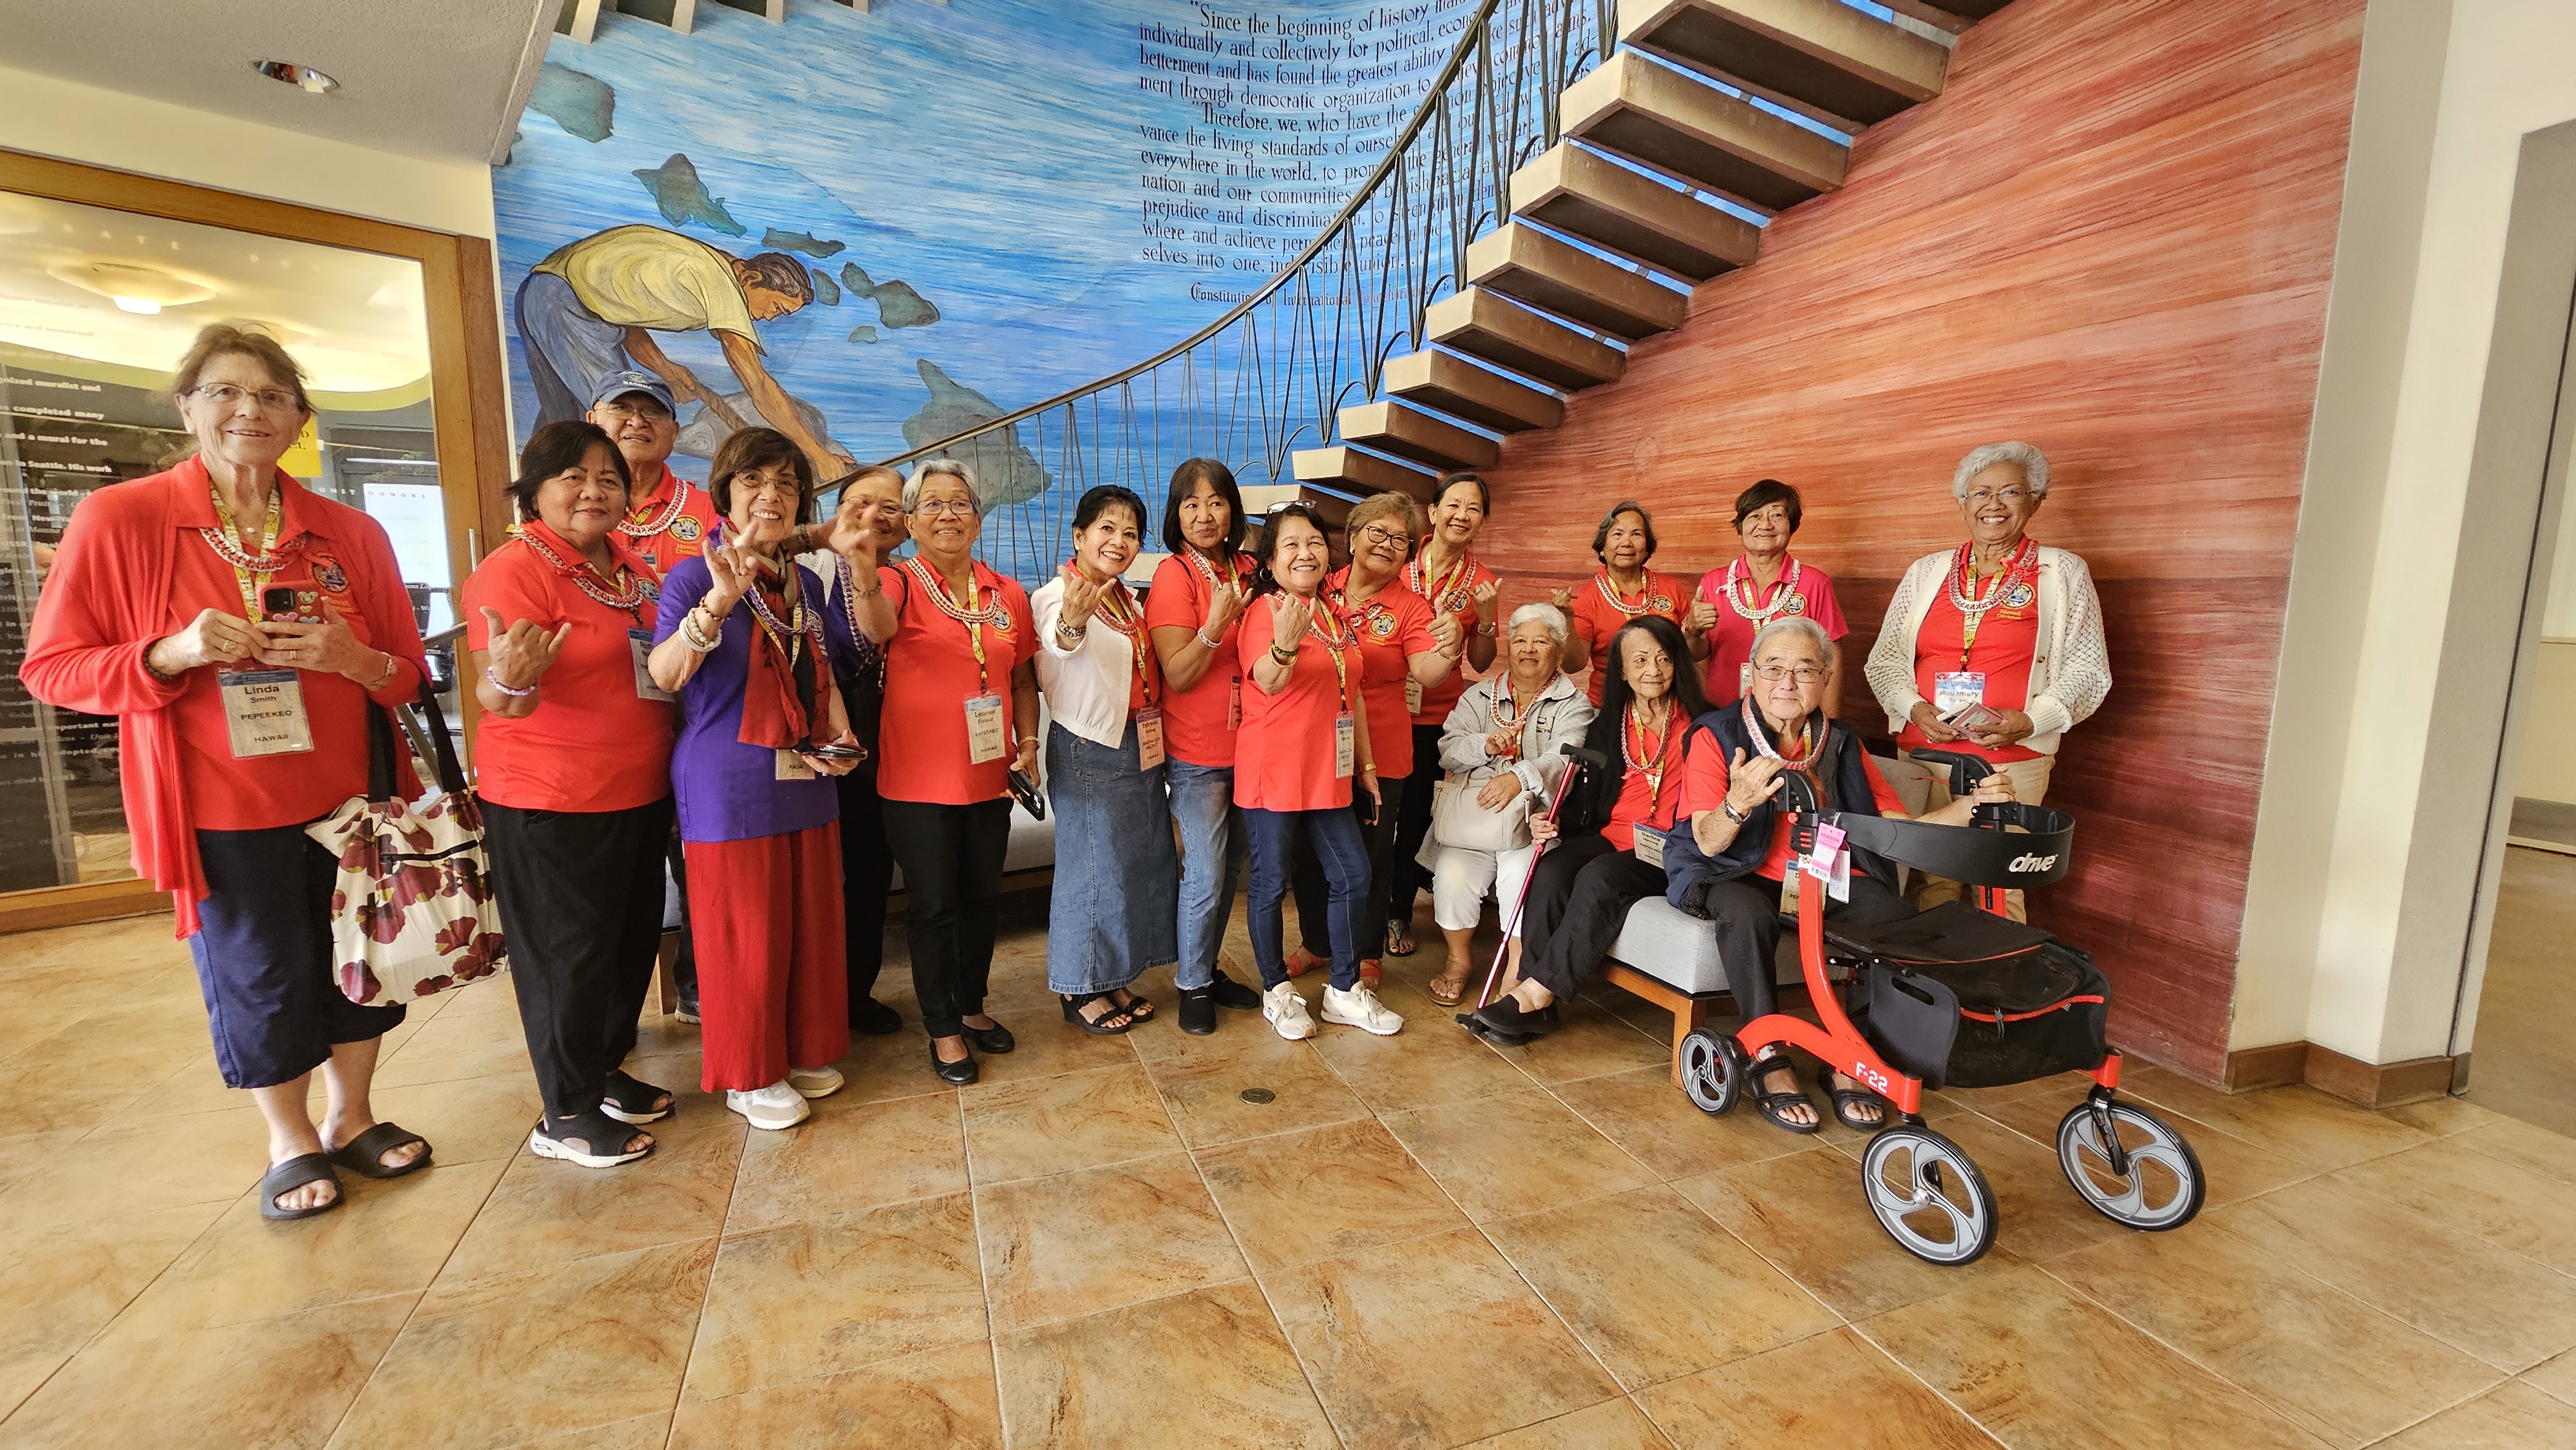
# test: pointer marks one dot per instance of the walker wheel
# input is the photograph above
(1928, 1195)
(2164, 1185)
(1713, 1069)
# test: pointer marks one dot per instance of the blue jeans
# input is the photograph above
(1335, 834)
(1212, 842)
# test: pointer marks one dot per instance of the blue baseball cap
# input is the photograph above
(619, 384)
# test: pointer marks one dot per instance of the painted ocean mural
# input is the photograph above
(868, 227)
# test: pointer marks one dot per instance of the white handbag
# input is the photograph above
(1457, 820)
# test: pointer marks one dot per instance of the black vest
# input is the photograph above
(1687, 867)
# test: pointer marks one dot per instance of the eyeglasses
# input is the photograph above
(940, 508)
(2002, 496)
(225, 395)
(1376, 535)
(650, 412)
(1803, 674)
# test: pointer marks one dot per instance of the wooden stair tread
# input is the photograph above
(1719, 142)
(1589, 196)
(1392, 426)
(1345, 469)
(1487, 325)
(1821, 57)
(1527, 264)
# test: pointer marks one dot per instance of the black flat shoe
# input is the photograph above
(994, 1039)
(1543, 1021)
(958, 1073)
(1198, 1010)
(874, 1018)
(1228, 992)
(1500, 1021)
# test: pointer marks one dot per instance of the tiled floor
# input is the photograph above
(1421, 1241)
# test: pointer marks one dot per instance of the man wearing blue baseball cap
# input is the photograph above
(667, 517)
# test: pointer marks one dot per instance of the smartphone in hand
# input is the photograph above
(1025, 791)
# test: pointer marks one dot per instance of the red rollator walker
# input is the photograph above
(1959, 996)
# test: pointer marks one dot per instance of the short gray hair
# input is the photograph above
(2032, 463)
(1542, 611)
(930, 468)
(1797, 624)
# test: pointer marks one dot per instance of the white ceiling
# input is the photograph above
(442, 80)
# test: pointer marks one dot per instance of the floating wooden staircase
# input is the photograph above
(1611, 227)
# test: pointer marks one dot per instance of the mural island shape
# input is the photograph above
(683, 198)
(583, 105)
(805, 242)
(1005, 472)
(897, 304)
(863, 333)
(826, 291)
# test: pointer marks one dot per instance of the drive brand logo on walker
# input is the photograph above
(2031, 863)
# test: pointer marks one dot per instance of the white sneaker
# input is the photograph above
(1360, 1008)
(775, 1107)
(815, 1082)
(1286, 1011)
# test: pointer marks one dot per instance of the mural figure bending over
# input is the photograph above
(592, 306)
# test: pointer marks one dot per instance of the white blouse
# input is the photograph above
(1086, 689)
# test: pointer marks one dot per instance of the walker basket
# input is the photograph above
(1960, 998)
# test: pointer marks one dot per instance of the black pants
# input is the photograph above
(867, 875)
(581, 906)
(952, 871)
(1413, 823)
(264, 957)
(684, 969)
(1576, 904)
(1746, 914)
(1314, 891)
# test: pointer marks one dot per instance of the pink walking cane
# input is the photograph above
(1576, 758)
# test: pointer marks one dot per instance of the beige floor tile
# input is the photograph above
(2442, 1116)
(644, 1432)
(273, 1382)
(1609, 1425)
(1591, 1043)
(2233, 1169)
(2506, 1309)
(1208, 1370)
(2298, 1123)
(2459, 1187)
(1643, 1111)
(894, 1066)
(196, 1086)
(1353, 1319)
(512, 1358)
(1100, 1238)
(94, 1067)
(847, 1157)
(205, 1158)
(2035, 1364)
(1047, 1047)
(1204, 1092)
(1653, 1287)
(1432, 1062)
(2523, 1145)
(2511, 1417)
(21, 1378)
(1333, 1190)
(2336, 1367)
(830, 1294)
(1056, 1124)
(390, 1237)
(940, 1397)
(1804, 1213)
(59, 1286)
(544, 1211)
(1835, 1388)
(455, 1045)
(2557, 1377)
(469, 1121)
(1515, 1153)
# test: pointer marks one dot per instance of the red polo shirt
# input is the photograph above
(1802, 590)
(1656, 803)
(1597, 619)
(1195, 725)
(1452, 593)
(1394, 625)
(1284, 755)
(669, 524)
(930, 674)
(2006, 642)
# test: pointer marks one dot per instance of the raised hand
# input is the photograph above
(731, 571)
(1487, 597)
(521, 653)
(1563, 598)
(852, 540)
(212, 638)
(1502, 743)
(1081, 601)
(1751, 782)
(1703, 617)
(1289, 616)
(1446, 636)
(1224, 603)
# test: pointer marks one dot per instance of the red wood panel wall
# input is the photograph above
(2111, 237)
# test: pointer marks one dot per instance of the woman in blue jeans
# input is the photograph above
(1115, 899)
(1194, 609)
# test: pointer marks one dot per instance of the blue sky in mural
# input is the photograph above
(984, 152)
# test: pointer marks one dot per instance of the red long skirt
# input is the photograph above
(773, 990)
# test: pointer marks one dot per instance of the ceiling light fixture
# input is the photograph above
(287, 71)
(142, 290)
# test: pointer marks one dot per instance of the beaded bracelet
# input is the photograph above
(691, 636)
(495, 682)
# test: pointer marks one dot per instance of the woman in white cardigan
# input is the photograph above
(1994, 648)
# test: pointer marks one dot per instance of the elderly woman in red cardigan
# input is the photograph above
(238, 625)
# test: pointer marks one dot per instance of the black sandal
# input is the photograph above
(630, 1099)
(1848, 1098)
(1771, 1105)
(590, 1130)
(1136, 1007)
(1099, 1026)
(365, 1153)
(294, 1173)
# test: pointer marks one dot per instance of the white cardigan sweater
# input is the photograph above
(2068, 677)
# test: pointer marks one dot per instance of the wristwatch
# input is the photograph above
(1728, 805)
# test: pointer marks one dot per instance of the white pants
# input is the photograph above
(1461, 879)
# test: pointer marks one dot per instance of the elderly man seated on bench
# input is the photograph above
(1729, 867)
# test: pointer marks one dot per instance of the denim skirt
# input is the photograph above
(1116, 901)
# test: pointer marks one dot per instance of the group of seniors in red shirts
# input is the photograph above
(802, 712)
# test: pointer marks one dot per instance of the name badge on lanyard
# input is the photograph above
(1957, 690)
(1650, 845)
(639, 643)
(792, 766)
(1345, 745)
(1412, 695)
(1149, 739)
(984, 731)
(264, 713)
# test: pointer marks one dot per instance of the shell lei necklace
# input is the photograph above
(1781, 592)
(1811, 738)
(1963, 579)
(1610, 592)
(1208, 571)
(631, 592)
(252, 571)
(937, 589)
(797, 627)
(663, 520)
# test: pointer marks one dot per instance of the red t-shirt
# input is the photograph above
(2006, 642)
(1456, 591)
(1656, 802)
(669, 524)
(1704, 785)
(593, 743)
(1196, 721)
(1284, 755)
(1808, 591)
(1394, 625)
(930, 673)
(1597, 619)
